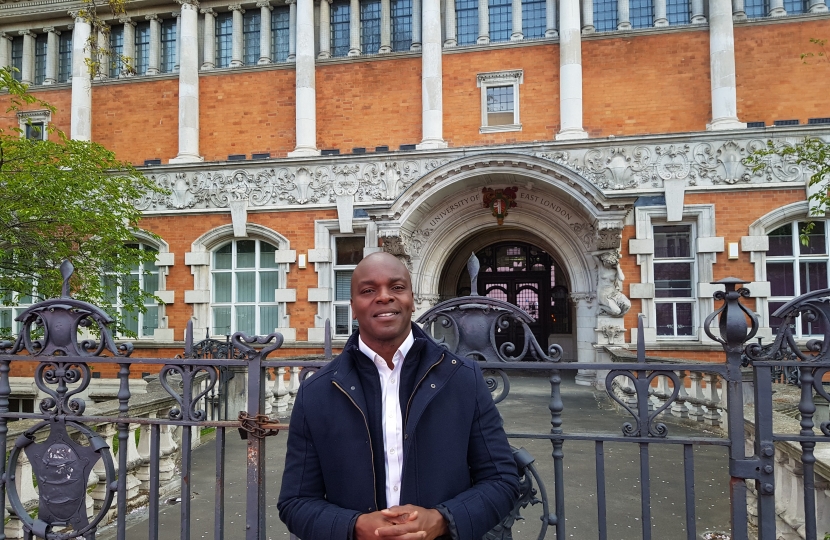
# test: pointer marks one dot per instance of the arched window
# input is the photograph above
(143, 277)
(797, 263)
(245, 276)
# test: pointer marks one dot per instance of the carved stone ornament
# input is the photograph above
(610, 278)
(612, 332)
(586, 297)
(586, 233)
(608, 234)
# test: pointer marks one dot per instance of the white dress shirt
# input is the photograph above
(390, 384)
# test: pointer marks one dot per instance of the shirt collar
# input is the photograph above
(403, 350)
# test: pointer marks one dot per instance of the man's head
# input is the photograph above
(382, 301)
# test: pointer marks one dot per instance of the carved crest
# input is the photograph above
(499, 201)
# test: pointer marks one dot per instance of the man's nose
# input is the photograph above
(385, 295)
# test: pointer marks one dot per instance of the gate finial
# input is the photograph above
(472, 268)
(66, 271)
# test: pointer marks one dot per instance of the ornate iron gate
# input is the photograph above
(62, 445)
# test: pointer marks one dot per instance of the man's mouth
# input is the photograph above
(387, 314)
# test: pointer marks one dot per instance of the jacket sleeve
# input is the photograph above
(495, 477)
(302, 503)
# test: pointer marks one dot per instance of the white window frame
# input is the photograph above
(234, 304)
(340, 268)
(26, 118)
(796, 258)
(692, 298)
(513, 78)
(117, 305)
(14, 311)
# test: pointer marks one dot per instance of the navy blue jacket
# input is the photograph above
(456, 455)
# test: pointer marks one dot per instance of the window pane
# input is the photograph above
(222, 287)
(342, 286)
(151, 283)
(142, 48)
(222, 320)
(466, 17)
(17, 57)
(267, 257)
(280, 20)
(223, 258)
(500, 107)
(501, 19)
(246, 319)
(511, 259)
(678, 12)
(250, 36)
(340, 28)
(673, 280)
(781, 241)
(781, 279)
(683, 319)
(672, 241)
(116, 50)
(224, 39)
(65, 57)
(110, 289)
(40, 58)
(605, 15)
(370, 26)
(246, 286)
(811, 328)
(131, 321)
(5, 322)
(794, 7)
(642, 13)
(813, 276)
(151, 322)
(168, 45)
(269, 317)
(246, 254)
(533, 18)
(401, 25)
(665, 319)
(341, 320)
(816, 243)
(268, 281)
(756, 8)
(775, 322)
(349, 249)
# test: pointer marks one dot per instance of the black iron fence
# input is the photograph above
(62, 445)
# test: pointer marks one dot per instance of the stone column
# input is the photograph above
(265, 54)
(5, 50)
(129, 46)
(660, 18)
(550, 19)
(189, 85)
(178, 55)
(517, 34)
(623, 15)
(698, 16)
(354, 28)
(154, 59)
(818, 6)
(587, 15)
(722, 62)
(451, 37)
(586, 320)
(306, 126)
(52, 49)
(776, 9)
(483, 22)
(236, 49)
(27, 74)
(385, 27)
(81, 109)
(210, 39)
(416, 25)
(325, 29)
(570, 72)
(432, 107)
(292, 30)
(103, 69)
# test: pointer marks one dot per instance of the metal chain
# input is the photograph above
(258, 426)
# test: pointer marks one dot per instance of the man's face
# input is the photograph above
(382, 300)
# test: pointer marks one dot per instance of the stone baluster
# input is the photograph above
(293, 385)
(99, 492)
(154, 59)
(237, 59)
(664, 390)
(385, 27)
(143, 472)
(550, 19)
(325, 29)
(210, 38)
(265, 53)
(483, 22)
(268, 391)
(354, 28)
(167, 451)
(696, 411)
(517, 34)
(712, 416)
(133, 463)
(679, 407)
(280, 392)
(450, 35)
(27, 74)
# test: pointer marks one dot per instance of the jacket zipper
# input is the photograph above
(369, 433)
(408, 403)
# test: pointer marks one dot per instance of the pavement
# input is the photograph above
(524, 411)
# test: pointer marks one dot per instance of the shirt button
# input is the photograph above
(392, 451)
(392, 380)
(395, 488)
(431, 386)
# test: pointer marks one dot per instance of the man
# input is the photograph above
(396, 437)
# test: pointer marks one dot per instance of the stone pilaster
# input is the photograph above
(265, 54)
(103, 68)
(517, 34)
(129, 46)
(624, 15)
(451, 38)
(52, 46)
(416, 25)
(189, 86)
(154, 59)
(776, 8)
(325, 29)
(432, 107)
(237, 59)
(698, 16)
(306, 119)
(483, 22)
(178, 55)
(292, 30)
(27, 74)
(570, 72)
(81, 109)
(385, 27)
(210, 39)
(587, 15)
(354, 28)
(550, 19)
(5, 50)
(660, 18)
(722, 62)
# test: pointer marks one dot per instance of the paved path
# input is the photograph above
(524, 411)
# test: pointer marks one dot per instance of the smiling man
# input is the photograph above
(396, 437)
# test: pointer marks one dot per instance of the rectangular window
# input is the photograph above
(250, 37)
(756, 8)
(501, 19)
(401, 24)
(34, 131)
(793, 7)
(280, 23)
(348, 251)
(674, 271)
(605, 15)
(116, 51)
(500, 109)
(678, 12)
(224, 39)
(40, 58)
(169, 49)
(142, 48)
(500, 100)
(534, 22)
(642, 13)
(144, 278)
(466, 21)
(17, 57)
(369, 26)
(22, 300)
(65, 57)
(340, 13)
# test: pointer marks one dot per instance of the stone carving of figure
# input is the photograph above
(610, 278)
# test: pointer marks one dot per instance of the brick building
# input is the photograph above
(295, 137)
